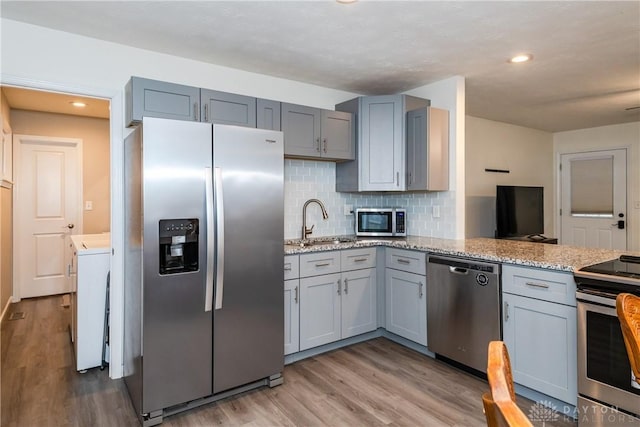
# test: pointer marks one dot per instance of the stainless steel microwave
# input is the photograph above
(381, 222)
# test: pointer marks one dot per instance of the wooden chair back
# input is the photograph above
(500, 405)
(628, 309)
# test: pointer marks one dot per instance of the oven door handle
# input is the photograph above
(599, 298)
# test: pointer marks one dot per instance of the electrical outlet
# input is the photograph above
(88, 205)
(348, 209)
(435, 211)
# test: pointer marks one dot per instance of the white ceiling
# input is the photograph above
(585, 73)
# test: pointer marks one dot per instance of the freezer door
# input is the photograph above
(176, 325)
(249, 309)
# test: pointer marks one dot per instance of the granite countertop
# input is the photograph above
(542, 255)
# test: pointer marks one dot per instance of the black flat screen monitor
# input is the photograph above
(519, 211)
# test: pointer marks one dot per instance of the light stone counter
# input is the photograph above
(541, 255)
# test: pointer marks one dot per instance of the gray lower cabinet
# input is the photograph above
(381, 141)
(539, 328)
(291, 304)
(427, 149)
(154, 98)
(406, 294)
(337, 305)
(268, 114)
(227, 108)
(314, 133)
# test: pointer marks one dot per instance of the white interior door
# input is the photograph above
(594, 199)
(47, 211)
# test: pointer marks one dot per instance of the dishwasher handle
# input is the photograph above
(458, 270)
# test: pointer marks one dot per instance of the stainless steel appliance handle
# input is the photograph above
(208, 184)
(458, 270)
(220, 239)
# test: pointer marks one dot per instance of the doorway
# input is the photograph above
(593, 199)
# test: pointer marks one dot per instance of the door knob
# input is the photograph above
(70, 226)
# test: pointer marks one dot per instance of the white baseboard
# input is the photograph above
(5, 310)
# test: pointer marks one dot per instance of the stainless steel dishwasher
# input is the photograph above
(463, 309)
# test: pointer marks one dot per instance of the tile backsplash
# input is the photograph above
(308, 179)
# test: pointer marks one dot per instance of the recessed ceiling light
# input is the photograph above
(521, 58)
(78, 104)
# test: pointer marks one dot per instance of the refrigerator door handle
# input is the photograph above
(220, 239)
(208, 296)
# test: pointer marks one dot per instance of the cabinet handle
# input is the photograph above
(324, 264)
(324, 141)
(295, 294)
(403, 261)
(359, 259)
(409, 179)
(420, 290)
(196, 112)
(318, 144)
(287, 267)
(206, 112)
(506, 311)
(346, 286)
(339, 284)
(537, 285)
(397, 179)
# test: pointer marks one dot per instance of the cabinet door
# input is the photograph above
(153, 98)
(406, 305)
(268, 114)
(428, 149)
(381, 144)
(359, 302)
(301, 128)
(228, 108)
(319, 310)
(291, 316)
(338, 138)
(541, 339)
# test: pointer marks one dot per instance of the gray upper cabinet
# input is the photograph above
(227, 108)
(268, 114)
(428, 149)
(315, 133)
(153, 98)
(381, 143)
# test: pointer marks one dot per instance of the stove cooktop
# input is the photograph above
(625, 266)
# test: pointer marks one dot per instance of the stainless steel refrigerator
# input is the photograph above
(204, 312)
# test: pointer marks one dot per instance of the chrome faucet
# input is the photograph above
(307, 231)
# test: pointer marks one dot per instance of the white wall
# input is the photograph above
(625, 135)
(528, 156)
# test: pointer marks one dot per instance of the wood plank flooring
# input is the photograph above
(374, 383)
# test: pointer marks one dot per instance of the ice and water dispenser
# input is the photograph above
(178, 245)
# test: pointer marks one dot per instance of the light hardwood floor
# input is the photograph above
(369, 384)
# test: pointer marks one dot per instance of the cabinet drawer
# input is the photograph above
(409, 261)
(291, 267)
(319, 263)
(546, 285)
(356, 259)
